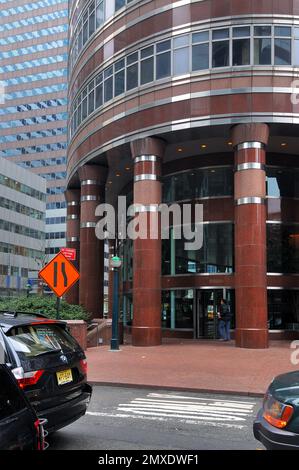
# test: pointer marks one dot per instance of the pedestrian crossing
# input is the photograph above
(182, 408)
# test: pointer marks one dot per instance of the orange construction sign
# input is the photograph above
(60, 274)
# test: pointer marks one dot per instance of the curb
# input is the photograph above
(177, 389)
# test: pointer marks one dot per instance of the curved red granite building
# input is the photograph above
(189, 102)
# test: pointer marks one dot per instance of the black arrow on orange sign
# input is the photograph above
(63, 272)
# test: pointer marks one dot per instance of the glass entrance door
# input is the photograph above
(207, 306)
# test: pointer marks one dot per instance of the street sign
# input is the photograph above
(69, 253)
(60, 274)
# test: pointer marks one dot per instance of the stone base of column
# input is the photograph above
(146, 336)
(252, 338)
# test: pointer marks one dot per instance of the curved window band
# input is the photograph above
(192, 52)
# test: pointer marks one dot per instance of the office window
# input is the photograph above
(220, 48)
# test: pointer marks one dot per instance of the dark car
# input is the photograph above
(277, 423)
(49, 365)
(20, 429)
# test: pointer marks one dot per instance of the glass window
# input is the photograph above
(198, 183)
(147, 52)
(296, 52)
(119, 65)
(147, 70)
(166, 45)
(132, 76)
(181, 61)
(108, 89)
(282, 182)
(283, 248)
(177, 309)
(99, 95)
(92, 23)
(283, 52)
(241, 32)
(132, 58)
(119, 83)
(283, 31)
(163, 65)
(215, 256)
(200, 37)
(180, 41)
(91, 102)
(34, 340)
(262, 30)
(220, 34)
(283, 309)
(262, 51)
(241, 52)
(119, 4)
(200, 56)
(220, 56)
(99, 13)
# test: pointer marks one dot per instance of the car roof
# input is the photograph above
(9, 320)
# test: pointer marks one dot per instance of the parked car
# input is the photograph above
(49, 366)
(20, 428)
(277, 423)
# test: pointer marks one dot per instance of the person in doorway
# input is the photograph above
(224, 316)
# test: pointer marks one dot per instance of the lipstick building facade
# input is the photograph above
(189, 102)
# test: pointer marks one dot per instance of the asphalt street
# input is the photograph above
(121, 418)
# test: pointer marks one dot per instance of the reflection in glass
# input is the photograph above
(283, 55)
(282, 182)
(200, 56)
(283, 248)
(220, 54)
(215, 256)
(163, 65)
(198, 183)
(283, 309)
(181, 61)
(262, 51)
(177, 309)
(241, 52)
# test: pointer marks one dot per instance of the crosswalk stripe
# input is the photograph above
(194, 408)
(220, 406)
(184, 420)
(159, 395)
(175, 414)
(184, 409)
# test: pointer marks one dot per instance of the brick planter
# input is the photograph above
(78, 329)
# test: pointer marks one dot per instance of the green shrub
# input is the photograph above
(45, 305)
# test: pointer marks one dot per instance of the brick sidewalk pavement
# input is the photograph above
(191, 365)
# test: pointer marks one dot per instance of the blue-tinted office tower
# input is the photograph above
(33, 117)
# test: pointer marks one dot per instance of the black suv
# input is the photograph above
(20, 429)
(49, 365)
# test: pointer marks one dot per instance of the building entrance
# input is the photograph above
(207, 305)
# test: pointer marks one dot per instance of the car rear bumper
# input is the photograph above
(60, 416)
(273, 438)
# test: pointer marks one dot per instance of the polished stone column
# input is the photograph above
(72, 197)
(249, 141)
(146, 331)
(91, 291)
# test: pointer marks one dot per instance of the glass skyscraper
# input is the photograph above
(33, 117)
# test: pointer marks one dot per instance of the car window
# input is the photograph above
(33, 340)
(11, 401)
